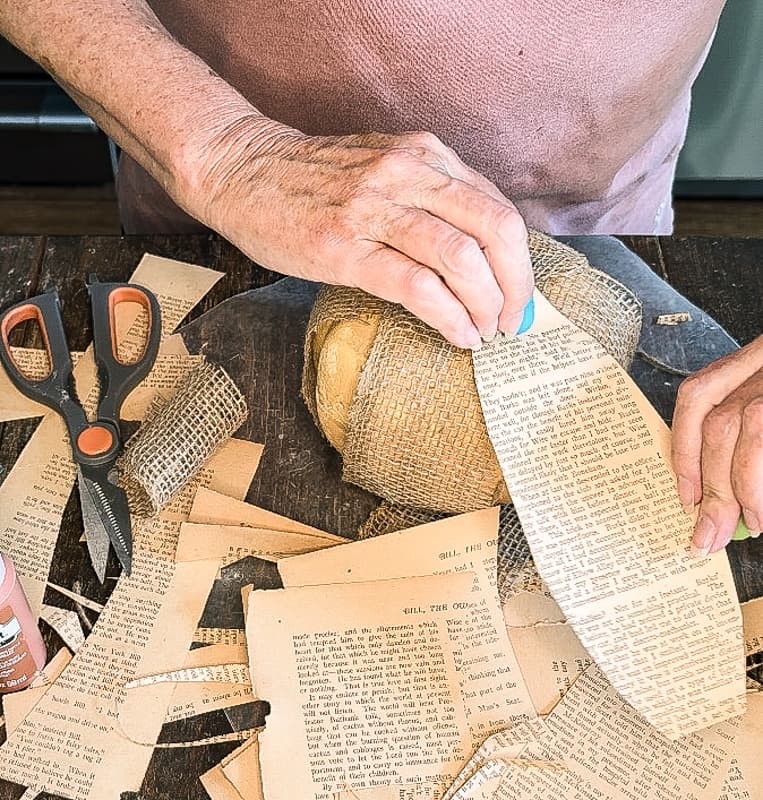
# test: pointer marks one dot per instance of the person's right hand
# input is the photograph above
(401, 217)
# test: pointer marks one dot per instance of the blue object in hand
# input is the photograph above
(528, 318)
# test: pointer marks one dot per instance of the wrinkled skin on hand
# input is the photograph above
(399, 216)
(718, 445)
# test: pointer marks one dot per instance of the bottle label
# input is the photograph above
(17, 667)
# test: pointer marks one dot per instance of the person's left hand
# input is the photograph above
(718, 446)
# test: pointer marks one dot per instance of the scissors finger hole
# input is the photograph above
(130, 316)
(25, 324)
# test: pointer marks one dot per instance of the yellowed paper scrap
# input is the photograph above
(365, 682)
(467, 542)
(209, 508)
(749, 746)
(66, 624)
(232, 542)
(752, 619)
(18, 704)
(217, 786)
(96, 744)
(242, 769)
(610, 752)
(34, 494)
(227, 636)
(531, 608)
(586, 459)
(551, 658)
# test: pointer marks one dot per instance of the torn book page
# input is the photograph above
(365, 683)
(611, 752)
(586, 459)
(208, 508)
(95, 744)
(749, 745)
(462, 543)
(18, 704)
(230, 543)
(752, 620)
(219, 786)
(242, 769)
(228, 636)
(34, 494)
(551, 658)
(66, 624)
(736, 786)
(523, 609)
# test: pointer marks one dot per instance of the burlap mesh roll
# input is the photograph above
(400, 403)
(179, 436)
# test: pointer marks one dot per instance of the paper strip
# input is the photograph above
(17, 705)
(209, 508)
(86, 602)
(231, 543)
(66, 624)
(586, 460)
(220, 673)
(34, 494)
(230, 636)
(752, 618)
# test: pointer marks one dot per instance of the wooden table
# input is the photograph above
(299, 475)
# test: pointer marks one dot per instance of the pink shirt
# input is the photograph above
(576, 109)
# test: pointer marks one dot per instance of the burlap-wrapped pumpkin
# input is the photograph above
(400, 404)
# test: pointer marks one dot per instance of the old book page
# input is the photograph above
(232, 542)
(220, 784)
(610, 752)
(551, 658)
(364, 683)
(752, 619)
(749, 746)
(34, 494)
(83, 740)
(18, 704)
(464, 543)
(242, 769)
(586, 459)
(208, 507)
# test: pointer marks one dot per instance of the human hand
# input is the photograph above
(718, 446)
(400, 216)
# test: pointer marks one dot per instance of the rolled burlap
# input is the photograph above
(179, 436)
(400, 403)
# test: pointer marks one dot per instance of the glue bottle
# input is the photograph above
(22, 650)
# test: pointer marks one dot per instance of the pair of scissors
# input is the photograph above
(95, 445)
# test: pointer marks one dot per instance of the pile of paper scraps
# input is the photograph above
(392, 670)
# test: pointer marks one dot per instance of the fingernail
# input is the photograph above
(751, 520)
(490, 333)
(704, 534)
(471, 339)
(528, 317)
(686, 493)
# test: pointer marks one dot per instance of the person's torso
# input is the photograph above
(569, 107)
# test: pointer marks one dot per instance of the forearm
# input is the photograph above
(158, 100)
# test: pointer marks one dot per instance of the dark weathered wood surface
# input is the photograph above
(260, 343)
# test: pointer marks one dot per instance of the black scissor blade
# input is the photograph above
(108, 504)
